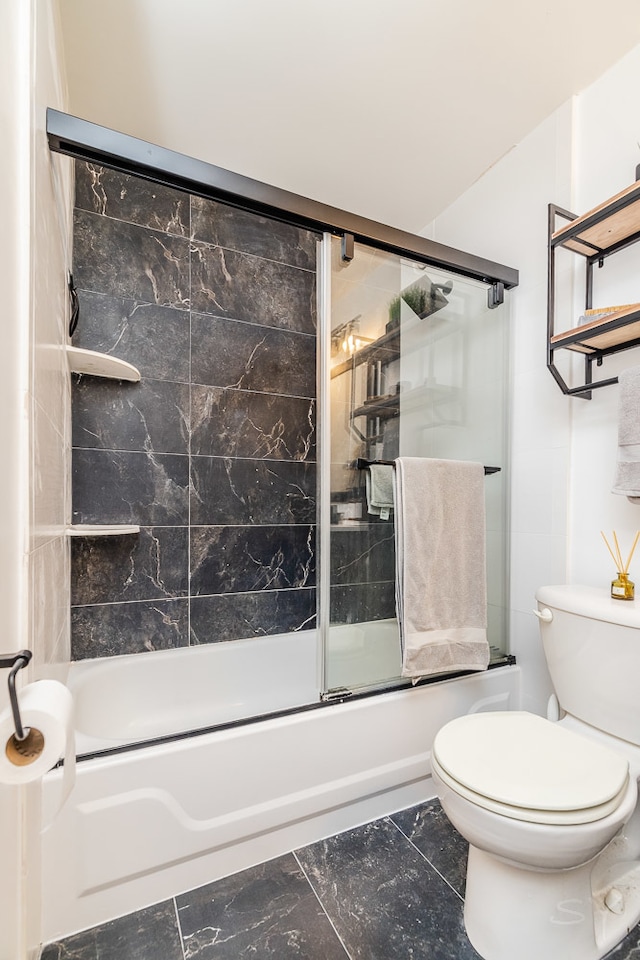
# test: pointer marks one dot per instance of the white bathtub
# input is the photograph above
(132, 698)
(128, 699)
(152, 821)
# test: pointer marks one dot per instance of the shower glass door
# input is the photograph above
(418, 367)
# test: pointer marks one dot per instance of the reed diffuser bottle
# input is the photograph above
(622, 588)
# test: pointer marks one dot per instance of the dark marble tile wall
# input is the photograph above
(213, 451)
(362, 572)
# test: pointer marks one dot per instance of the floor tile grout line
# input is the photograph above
(179, 925)
(322, 906)
(424, 857)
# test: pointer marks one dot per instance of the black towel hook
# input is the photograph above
(15, 661)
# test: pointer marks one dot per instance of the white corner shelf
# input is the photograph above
(102, 529)
(101, 365)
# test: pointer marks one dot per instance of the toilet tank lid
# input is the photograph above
(593, 602)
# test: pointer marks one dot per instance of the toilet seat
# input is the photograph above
(527, 768)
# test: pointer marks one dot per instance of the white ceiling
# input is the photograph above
(386, 108)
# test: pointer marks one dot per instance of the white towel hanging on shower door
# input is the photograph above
(441, 592)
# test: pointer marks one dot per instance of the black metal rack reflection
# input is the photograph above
(362, 464)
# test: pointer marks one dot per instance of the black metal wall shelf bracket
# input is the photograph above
(604, 231)
(15, 662)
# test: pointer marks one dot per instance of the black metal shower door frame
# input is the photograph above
(88, 141)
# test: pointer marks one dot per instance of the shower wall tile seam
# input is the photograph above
(246, 253)
(252, 323)
(133, 223)
(138, 300)
(174, 900)
(142, 453)
(193, 240)
(226, 456)
(240, 593)
(265, 393)
(163, 598)
(250, 523)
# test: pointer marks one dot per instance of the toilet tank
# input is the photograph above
(592, 648)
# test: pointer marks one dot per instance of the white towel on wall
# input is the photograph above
(627, 477)
(441, 592)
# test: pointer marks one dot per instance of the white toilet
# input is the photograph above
(549, 806)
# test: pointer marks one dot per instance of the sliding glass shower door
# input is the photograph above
(418, 367)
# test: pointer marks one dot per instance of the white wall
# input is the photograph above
(563, 449)
(35, 194)
(607, 141)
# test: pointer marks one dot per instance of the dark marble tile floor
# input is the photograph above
(389, 890)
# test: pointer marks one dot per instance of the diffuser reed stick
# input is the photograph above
(613, 556)
(621, 588)
(631, 552)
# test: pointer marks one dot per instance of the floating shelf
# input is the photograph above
(102, 529)
(101, 365)
(621, 328)
(606, 226)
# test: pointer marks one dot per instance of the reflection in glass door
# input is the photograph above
(418, 367)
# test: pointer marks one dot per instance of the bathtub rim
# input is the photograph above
(332, 698)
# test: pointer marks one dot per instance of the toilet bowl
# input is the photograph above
(525, 789)
(550, 808)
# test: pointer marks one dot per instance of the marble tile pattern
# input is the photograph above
(131, 329)
(113, 629)
(243, 559)
(240, 423)
(366, 894)
(362, 568)
(250, 356)
(389, 890)
(233, 490)
(132, 199)
(255, 614)
(361, 602)
(213, 452)
(266, 911)
(240, 286)
(150, 934)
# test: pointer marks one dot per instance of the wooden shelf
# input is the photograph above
(602, 232)
(102, 529)
(619, 329)
(101, 365)
(607, 225)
